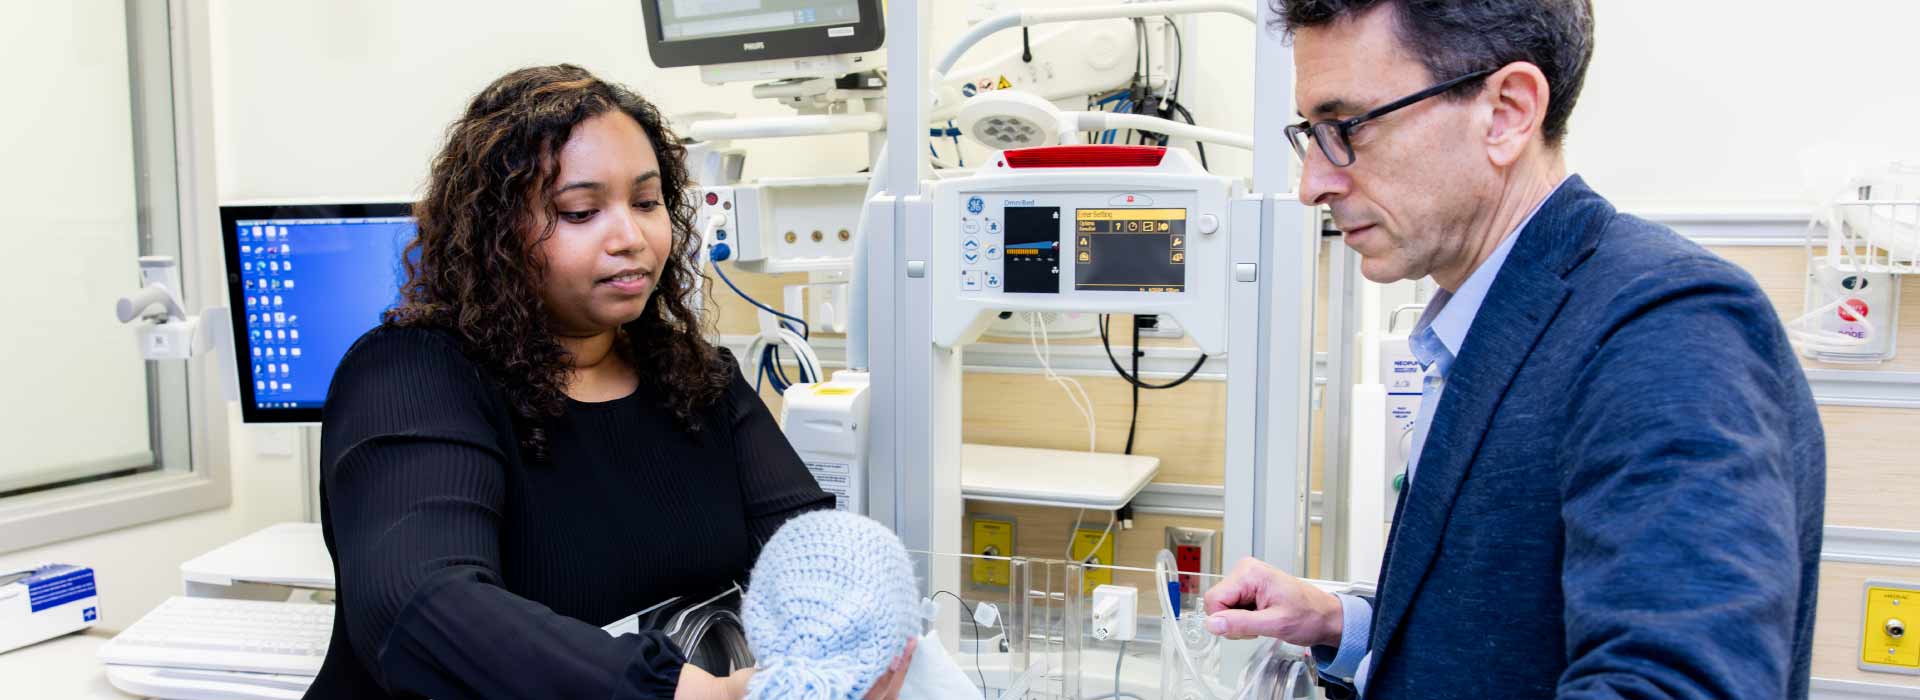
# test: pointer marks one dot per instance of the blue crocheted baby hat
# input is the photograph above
(830, 605)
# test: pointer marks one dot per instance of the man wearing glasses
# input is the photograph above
(1617, 480)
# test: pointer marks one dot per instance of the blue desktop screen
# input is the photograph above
(310, 288)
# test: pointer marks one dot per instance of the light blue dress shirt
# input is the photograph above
(1435, 341)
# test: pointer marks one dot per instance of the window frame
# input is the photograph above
(168, 47)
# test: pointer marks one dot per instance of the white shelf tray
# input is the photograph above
(1053, 478)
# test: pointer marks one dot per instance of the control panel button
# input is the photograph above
(993, 280)
(993, 226)
(970, 250)
(993, 251)
(1209, 224)
(970, 280)
(969, 226)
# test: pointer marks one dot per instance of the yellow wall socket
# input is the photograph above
(1888, 643)
(1084, 540)
(992, 537)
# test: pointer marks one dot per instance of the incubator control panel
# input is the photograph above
(1100, 238)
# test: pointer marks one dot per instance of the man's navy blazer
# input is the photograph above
(1621, 493)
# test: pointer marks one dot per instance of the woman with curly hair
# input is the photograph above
(538, 441)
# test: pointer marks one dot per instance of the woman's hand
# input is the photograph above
(888, 687)
(697, 684)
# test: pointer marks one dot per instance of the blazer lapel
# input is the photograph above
(1523, 300)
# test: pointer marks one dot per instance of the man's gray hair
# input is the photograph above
(1456, 37)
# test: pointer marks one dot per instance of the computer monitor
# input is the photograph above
(706, 32)
(306, 281)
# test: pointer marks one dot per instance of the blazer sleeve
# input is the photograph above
(415, 476)
(1681, 566)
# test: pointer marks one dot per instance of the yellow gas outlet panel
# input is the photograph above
(992, 537)
(1888, 643)
(1084, 540)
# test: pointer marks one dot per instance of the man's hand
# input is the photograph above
(1257, 600)
(888, 687)
(697, 684)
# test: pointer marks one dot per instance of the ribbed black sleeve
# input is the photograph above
(465, 573)
(777, 484)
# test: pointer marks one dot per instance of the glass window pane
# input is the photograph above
(69, 212)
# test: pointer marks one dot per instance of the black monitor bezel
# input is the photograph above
(230, 216)
(869, 34)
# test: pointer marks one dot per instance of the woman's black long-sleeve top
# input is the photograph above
(465, 572)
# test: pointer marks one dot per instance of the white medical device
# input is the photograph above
(164, 329)
(1853, 288)
(826, 422)
(1105, 229)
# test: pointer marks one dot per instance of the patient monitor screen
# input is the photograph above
(1129, 250)
(702, 19)
(1033, 250)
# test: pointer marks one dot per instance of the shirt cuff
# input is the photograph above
(1356, 631)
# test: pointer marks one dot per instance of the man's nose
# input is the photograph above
(1320, 181)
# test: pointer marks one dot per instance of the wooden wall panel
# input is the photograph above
(1836, 631)
(1873, 467)
(1183, 426)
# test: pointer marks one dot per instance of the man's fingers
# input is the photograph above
(1237, 589)
(889, 684)
(1244, 624)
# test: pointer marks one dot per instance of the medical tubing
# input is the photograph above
(1829, 341)
(1030, 18)
(763, 307)
(1163, 565)
(1088, 121)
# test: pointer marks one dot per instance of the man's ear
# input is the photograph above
(1516, 97)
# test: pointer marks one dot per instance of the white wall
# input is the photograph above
(1703, 106)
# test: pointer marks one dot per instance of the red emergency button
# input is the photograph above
(1853, 310)
(712, 199)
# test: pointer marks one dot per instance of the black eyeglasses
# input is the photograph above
(1332, 134)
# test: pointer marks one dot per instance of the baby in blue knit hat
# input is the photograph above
(831, 611)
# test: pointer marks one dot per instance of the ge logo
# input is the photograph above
(976, 205)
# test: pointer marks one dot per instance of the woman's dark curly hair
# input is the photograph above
(471, 270)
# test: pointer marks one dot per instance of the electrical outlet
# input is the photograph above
(1195, 551)
(992, 537)
(1888, 643)
(1158, 326)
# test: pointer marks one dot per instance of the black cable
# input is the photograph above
(1134, 379)
(1026, 46)
(1184, 114)
(977, 641)
(1133, 422)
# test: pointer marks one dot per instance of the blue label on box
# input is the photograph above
(54, 587)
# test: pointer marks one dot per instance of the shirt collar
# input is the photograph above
(1450, 314)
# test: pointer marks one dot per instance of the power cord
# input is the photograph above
(1107, 344)
(977, 639)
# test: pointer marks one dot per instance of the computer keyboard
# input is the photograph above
(227, 635)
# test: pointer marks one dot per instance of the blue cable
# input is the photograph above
(954, 132)
(804, 334)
